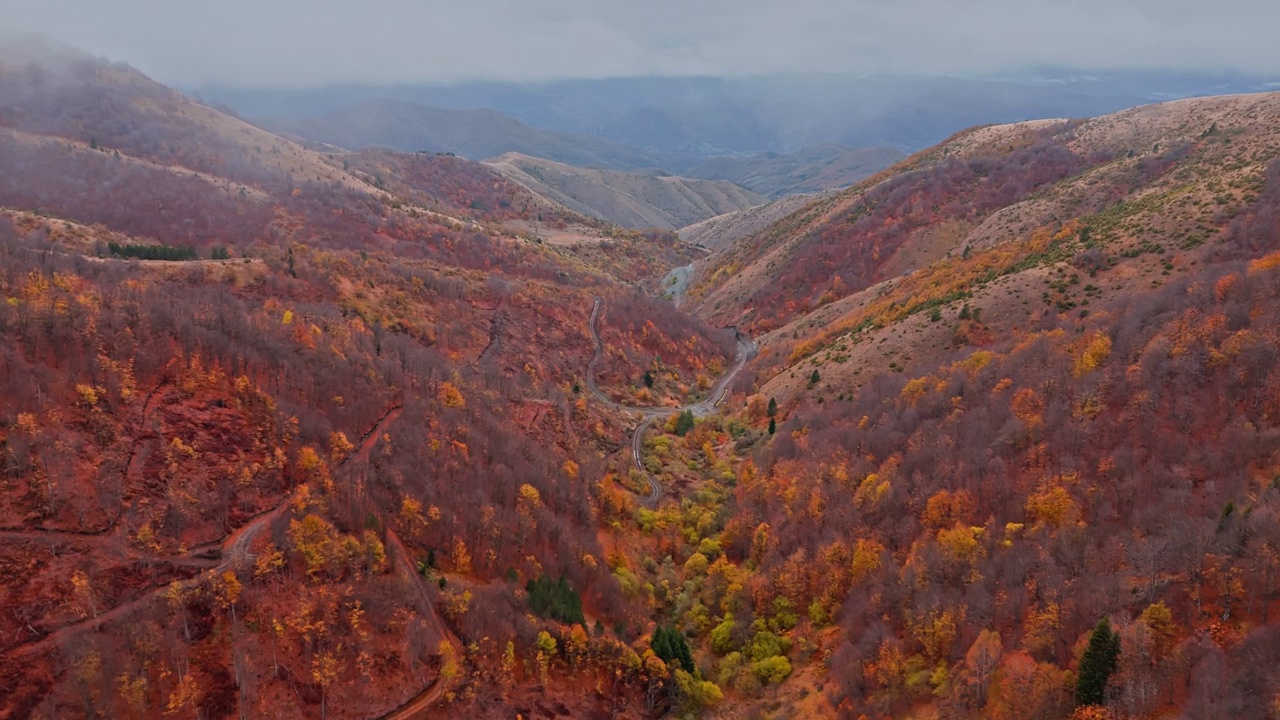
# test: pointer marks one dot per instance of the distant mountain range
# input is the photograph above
(709, 117)
(813, 169)
(627, 199)
(475, 134)
(773, 135)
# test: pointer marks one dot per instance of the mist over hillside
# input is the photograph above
(477, 134)
(708, 116)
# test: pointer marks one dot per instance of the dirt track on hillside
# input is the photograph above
(746, 350)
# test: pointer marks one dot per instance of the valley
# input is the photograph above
(312, 425)
(746, 349)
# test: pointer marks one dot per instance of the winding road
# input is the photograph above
(433, 692)
(235, 548)
(747, 349)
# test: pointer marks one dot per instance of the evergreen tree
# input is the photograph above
(1097, 664)
(773, 407)
(773, 426)
(555, 599)
(684, 423)
(671, 645)
(815, 378)
(152, 252)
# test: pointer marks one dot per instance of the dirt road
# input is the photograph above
(746, 350)
(235, 547)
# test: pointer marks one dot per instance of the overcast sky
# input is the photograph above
(314, 42)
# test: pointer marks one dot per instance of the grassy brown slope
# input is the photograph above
(726, 230)
(627, 199)
(1157, 182)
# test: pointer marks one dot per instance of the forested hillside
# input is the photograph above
(275, 470)
(1021, 384)
(290, 433)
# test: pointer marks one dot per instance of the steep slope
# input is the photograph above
(725, 230)
(1023, 383)
(224, 478)
(813, 169)
(980, 190)
(627, 199)
(475, 134)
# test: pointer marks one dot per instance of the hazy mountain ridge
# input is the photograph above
(627, 199)
(474, 134)
(708, 116)
(810, 170)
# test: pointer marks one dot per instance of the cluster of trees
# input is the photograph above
(136, 199)
(555, 599)
(654, 348)
(672, 646)
(1078, 476)
(152, 252)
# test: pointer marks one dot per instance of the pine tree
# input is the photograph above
(1097, 664)
(773, 426)
(684, 423)
(671, 645)
(815, 378)
(773, 407)
(555, 599)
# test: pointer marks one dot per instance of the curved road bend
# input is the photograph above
(747, 349)
(235, 547)
(433, 692)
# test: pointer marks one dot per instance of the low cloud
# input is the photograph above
(312, 42)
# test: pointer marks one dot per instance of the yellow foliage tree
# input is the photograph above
(1053, 506)
(450, 396)
(461, 557)
(1164, 632)
(867, 558)
(936, 632)
(339, 446)
(226, 592)
(316, 540)
(1092, 353)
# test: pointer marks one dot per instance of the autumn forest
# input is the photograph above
(294, 431)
